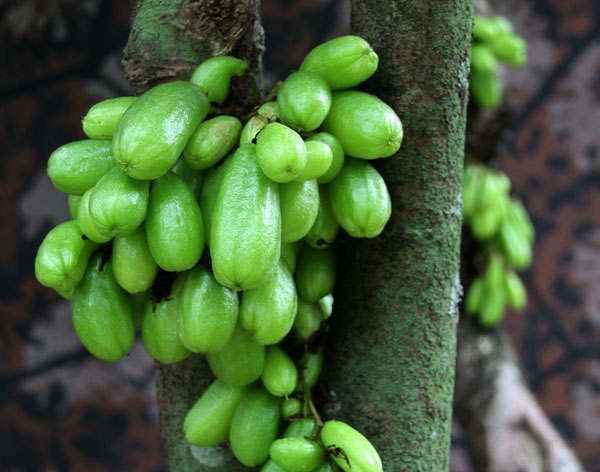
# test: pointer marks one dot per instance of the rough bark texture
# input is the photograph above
(390, 363)
(168, 39)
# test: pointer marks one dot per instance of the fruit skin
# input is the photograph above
(304, 100)
(245, 250)
(240, 362)
(102, 313)
(299, 202)
(174, 226)
(280, 376)
(483, 59)
(270, 466)
(269, 111)
(486, 28)
(315, 274)
(155, 129)
(297, 454)
(310, 370)
(319, 157)
(101, 121)
(516, 294)
(474, 296)
(289, 254)
(213, 76)
(209, 196)
(208, 422)
(337, 153)
(159, 332)
(207, 312)
(212, 141)
(360, 199)
(325, 228)
(115, 206)
(343, 62)
(291, 407)
(73, 202)
(251, 129)
(268, 311)
(486, 89)
(515, 245)
(133, 264)
(254, 427)
(62, 258)
(366, 127)
(326, 305)
(281, 152)
(75, 167)
(510, 49)
(351, 450)
(192, 177)
(308, 320)
(302, 428)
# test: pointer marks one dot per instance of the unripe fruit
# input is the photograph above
(251, 129)
(515, 246)
(192, 177)
(315, 274)
(337, 153)
(343, 62)
(159, 332)
(289, 254)
(214, 75)
(101, 121)
(349, 448)
(366, 127)
(311, 366)
(493, 303)
(155, 129)
(486, 89)
(75, 167)
(280, 376)
(304, 100)
(318, 160)
(486, 28)
(302, 428)
(297, 454)
(281, 152)
(325, 228)
(519, 216)
(474, 296)
(133, 264)
(326, 305)
(308, 320)
(472, 182)
(73, 202)
(270, 466)
(299, 208)
(510, 49)
(483, 59)
(212, 141)
(269, 111)
(290, 407)
(515, 291)
(209, 195)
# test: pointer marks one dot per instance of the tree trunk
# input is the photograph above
(391, 356)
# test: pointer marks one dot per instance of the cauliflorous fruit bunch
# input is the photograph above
(502, 227)
(494, 42)
(217, 237)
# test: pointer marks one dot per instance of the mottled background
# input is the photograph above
(62, 410)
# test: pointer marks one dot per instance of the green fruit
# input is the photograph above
(515, 246)
(472, 182)
(270, 466)
(76, 167)
(518, 215)
(304, 100)
(327, 467)
(299, 203)
(102, 313)
(325, 228)
(297, 454)
(155, 129)
(269, 111)
(493, 278)
(326, 305)
(246, 224)
(315, 274)
(318, 160)
(268, 311)
(289, 254)
(159, 332)
(311, 366)
(516, 293)
(133, 264)
(307, 321)
(486, 222)
(251, 129)
(240, 362)
(366, 127)
(487, 28)
(208, 197)
(486, 89)
(474, 296)
(493, 303)
(254, 427)
(174, 226)
(208, 422)
(349, 448)
(337, 153)
(138, 304)
(291, 407)
(208, 312)
(302, 428)
(343, 62)
(213, 76)
(73, 201)
(115, 206)
(281, 152)
(212, 141)
(193, 178)
(280, 376)
(483, 59)
(62, 257)
(510, 49)
(100, 122)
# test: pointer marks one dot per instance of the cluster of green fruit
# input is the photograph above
(502, 226)
(157, 181)
(494, 43)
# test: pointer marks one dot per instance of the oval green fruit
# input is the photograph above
(299, 208)
(291, 407)
(297, 454)
(518, 215)
(280, 376)
(75, 167)
(240, 362)
(483, 59)
(349, 448)
(493, 303)
(208, 312)
(269, 111)
(174, 226)
(343, 62)
(487, 28)
(270, 466)
(510, 49)
(102, 313)
(209, 195)
(337, 156)
(155, 129)
(474, 296)
(515, 291)
(302, 428)
(486, 89)
(62, 258)
(360, 199)
(208, 422)
(315, 274)
(308, 320)
(101, 121)
(515, 246)
(192, 177)
(268, 311)
(304, 100)
(138, 304)
(289, 254)
(311, 366)
(133, 264)
(326, 305)
(159, 332)
(318, 160)
(246, 224)
(254, 427)
(212, 141)
(281, 152)
(214, 75)
(251, 129)
(325, 228)
(73, 202)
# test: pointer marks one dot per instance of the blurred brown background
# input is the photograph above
(62, 410)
